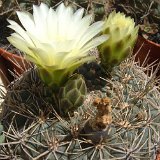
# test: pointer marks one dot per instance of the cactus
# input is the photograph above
(2, 137)
(143, 8)
(118, 119)
(99, 8)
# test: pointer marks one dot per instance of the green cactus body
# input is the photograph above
(2, 137)
(129, 129)
(91, 117)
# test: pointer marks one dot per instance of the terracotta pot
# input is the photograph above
(145, 48)
(158, 154)
(11, 64)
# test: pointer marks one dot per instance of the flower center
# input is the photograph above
(60, 38)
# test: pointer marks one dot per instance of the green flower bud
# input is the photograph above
(123, 34)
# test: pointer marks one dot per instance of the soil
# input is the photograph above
(155, 37)
(4, 32)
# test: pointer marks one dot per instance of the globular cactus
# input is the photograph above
(144, 9)
(2, 137)
(119, 121)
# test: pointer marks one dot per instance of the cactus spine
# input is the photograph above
(126, 129)
(119, 119)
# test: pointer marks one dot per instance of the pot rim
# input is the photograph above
(149, 41)
(8, 55)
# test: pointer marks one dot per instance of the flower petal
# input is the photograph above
(19, 43)
(78, 62)
(91, 32)
(40, 18)
(27, 21)
(78, 15)
(52, 26)
(17, 28)
(94, 43)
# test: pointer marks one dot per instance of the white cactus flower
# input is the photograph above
(56, 40)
